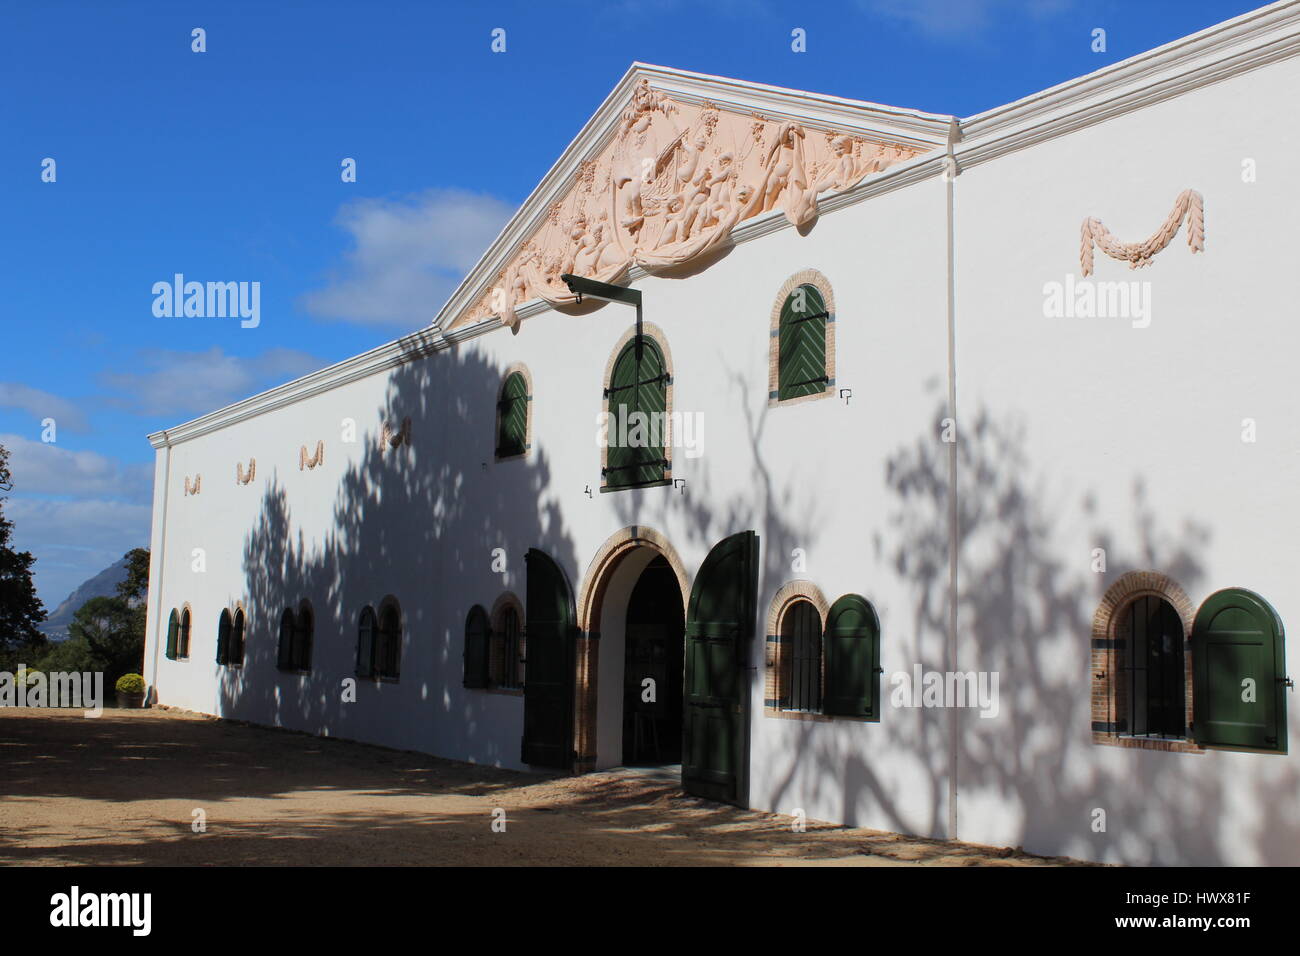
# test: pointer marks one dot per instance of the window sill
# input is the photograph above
(505, 691)
(659, 483)
(1180, 746)
(815, 716)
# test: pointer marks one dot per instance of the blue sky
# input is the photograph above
(224, 165)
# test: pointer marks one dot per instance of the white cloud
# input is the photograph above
(42, 405)
(174, 383)
(408, 255)
(49, 469)
(956, 20)
(74, 540)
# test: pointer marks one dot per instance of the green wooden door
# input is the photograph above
(548, 670)
(1238, 657)
(719, 629)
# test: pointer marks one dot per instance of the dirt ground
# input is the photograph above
(124, 788)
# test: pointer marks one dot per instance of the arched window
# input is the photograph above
(183, 646)
(1140, 673)
(304, 634)
(223, 637)
(638, 396)
(476, 648)
(801, 652)
(236, 657)
(173, 634)
(508, 656)
(1151, 668)
(285, 651)
(379, 644)
(513, 417)
(802, 363)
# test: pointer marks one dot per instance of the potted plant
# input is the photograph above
(130, 690)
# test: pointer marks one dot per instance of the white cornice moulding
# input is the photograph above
(1217, 53)
(389, 355)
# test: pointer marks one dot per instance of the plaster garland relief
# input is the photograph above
(194, 488)
(242, 478)
(1189, 204)
(671, 186)
(311, 461)
(390, 437)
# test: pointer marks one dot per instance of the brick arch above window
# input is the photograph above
(813, 278)
(1105, 660)
(777, 663)
(506, 651)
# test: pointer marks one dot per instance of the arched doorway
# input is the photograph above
(652, 668)
(601, 674)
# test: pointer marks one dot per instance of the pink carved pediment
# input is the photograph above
(671, 185)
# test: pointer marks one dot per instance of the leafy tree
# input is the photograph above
(20, 609)
(105, 627)
(134, 592)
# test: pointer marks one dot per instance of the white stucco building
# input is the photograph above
(906, 433)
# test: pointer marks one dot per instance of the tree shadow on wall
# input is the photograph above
(421, 522)
(1027, 598)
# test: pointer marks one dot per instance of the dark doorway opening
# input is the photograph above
(652, 729)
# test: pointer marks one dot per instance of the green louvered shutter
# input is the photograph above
(235, 653)
(476, 648)
(802, 359)
(366, 644)
(223, 638)
(512, 436)
(638, 400)
(1239, 680)
(852, 647)
(173, 631)
(285, 654)
(304, 633)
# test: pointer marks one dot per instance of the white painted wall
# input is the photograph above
(1088, 407)
(1131, 440)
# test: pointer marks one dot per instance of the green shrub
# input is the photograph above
(130, 684)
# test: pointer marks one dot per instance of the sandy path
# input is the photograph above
(122, 790)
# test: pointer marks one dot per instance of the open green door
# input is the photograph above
(548, 670)
(719, 629)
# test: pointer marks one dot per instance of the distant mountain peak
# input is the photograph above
(103, 584)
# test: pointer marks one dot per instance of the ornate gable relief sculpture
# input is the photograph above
(306, 461)
(1139, 254)
(671, 185)
(242, 478)
(392, 438)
